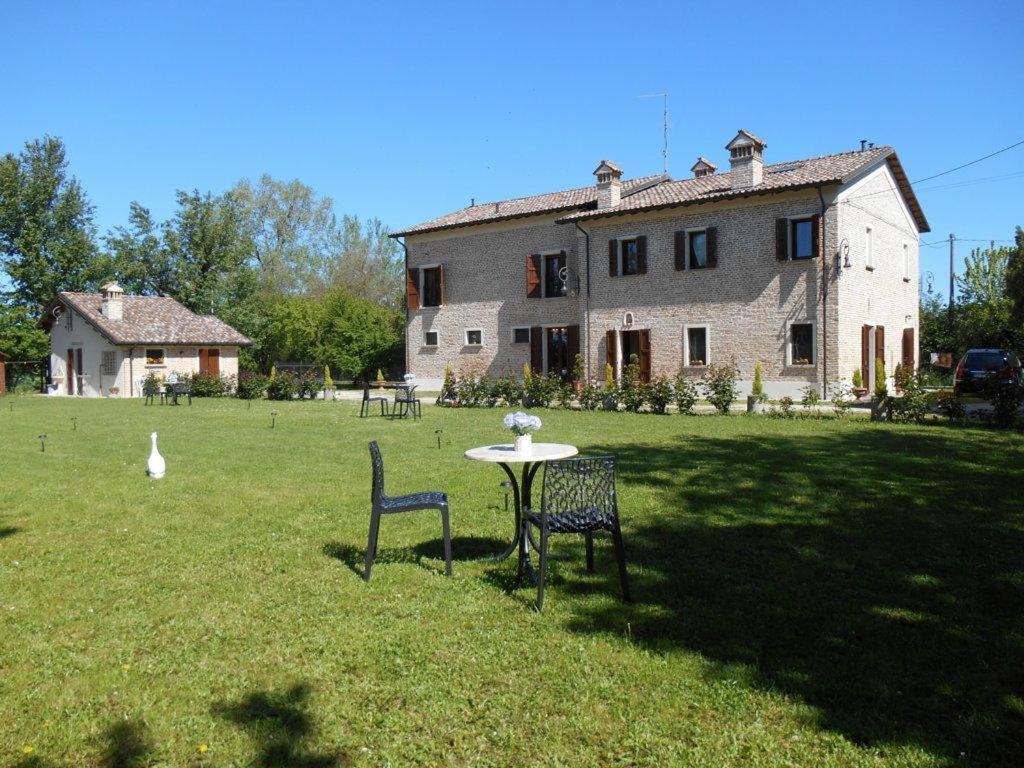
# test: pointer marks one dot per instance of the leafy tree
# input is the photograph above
(369, 264)
(137, 257)
(1015, 280)
(46, 228)
(20, 337)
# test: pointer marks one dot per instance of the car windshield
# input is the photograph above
(987, 361)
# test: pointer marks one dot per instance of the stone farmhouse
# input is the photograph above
(106, 344)
(809, 267)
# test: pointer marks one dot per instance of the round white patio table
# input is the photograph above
(506, 455)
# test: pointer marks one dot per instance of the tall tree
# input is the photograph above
(136, 255)
(369, 264)
(46, 227)
(1015, 280)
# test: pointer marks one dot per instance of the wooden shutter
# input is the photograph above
(610, 353)
(645, 355)
(680, 251)
(537, 349)
(880, 342)
(533, 287)
(712, 246)
(412, 288)
(641, 255)
(213, 362)
(440, 282)
(782, 239)
(573, 333)
(204, 361)
(816, 234)
(613, 258)
(865, 354)
(909, 356)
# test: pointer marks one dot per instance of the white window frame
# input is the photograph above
(465, 336)
(621, 247)
(789, 344)
(163, 354)
(906, 263)
(423, 281)
(869, 248)
(686, 248)
(789, 236)
(512, 334)
(686, 344)
(437, 340)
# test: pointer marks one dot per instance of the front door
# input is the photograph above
(558, 352)
(209, 361)
(637, 343)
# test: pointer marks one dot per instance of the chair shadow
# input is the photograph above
(8, 531)
(464, 548)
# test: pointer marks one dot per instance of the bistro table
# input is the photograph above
(504, 456)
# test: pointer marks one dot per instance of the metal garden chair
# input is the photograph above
(369, 400)
(578, 497)
(407, 402)
(389, 505)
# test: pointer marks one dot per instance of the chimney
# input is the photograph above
(609, 184)
(745, 159)
(703, 167)
(112, 306)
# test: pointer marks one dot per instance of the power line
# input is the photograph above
(960, 167)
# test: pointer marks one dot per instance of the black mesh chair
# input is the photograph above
(369, 400)
(578, 497)
(389, 505)
(407, 402)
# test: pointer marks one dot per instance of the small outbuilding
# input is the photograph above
(106, 344)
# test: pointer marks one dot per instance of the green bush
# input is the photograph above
(209, 385)
(507, 390)
(308, 386)
(720, 385)
(881, 389)
(447, 395)
(471, 390)
(951, 404)
(1006, 400)
(151, 385)
(282, 386)
(913, 404)
(842, 397)
(633, 393)
(591, 396)
(540, 390)
(811, 396)
(685, 392)
(251, 386)
(566, 394)
(328, 381)
(858, 379)
(785, 409)
(660, 394)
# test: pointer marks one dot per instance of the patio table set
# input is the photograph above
(405, 403)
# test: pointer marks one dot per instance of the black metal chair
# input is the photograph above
(369, 400)
(407, 402)
(181, 389)
(578, 497)
(389, 505)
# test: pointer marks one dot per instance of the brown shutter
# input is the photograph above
(412, 288)
(816, 234)
(609, 351)
(641, 255)
(533, 288)
(712, 245)
(204, 361)
(537, 349)
(645, 355)
(213, 362)
(782, 239)
(880, 342)
(865, 354)
(613, 258)
(909, 356)
(680, 251)
(573, 332)
(440, 281)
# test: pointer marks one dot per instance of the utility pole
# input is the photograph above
(952, 247)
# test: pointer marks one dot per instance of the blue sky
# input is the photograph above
(407, 110)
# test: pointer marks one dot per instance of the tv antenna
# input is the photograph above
(664, 126)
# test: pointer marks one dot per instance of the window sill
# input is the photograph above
(695, 367)
(802, 366)
(801, 258)
(156, 365)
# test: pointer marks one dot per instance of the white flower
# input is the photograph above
(521, 423)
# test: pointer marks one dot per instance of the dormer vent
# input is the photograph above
(703, 167)
(747, 164)
(609, 184)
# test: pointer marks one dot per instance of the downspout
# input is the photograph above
(824, 298)
(586, 303)
(405, 278)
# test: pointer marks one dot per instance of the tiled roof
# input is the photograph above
(566, 200)
(153, 320)
(655, 192)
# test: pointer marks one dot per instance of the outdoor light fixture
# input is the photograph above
(843, 254)
(42, 443)
(273, 418)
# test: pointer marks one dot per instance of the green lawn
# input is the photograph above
(814, 593)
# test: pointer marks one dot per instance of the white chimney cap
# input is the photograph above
(112, 287)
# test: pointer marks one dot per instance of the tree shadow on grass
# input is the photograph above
(8, 531)
(126, 744)
(877, 575)
(463, 548)
(282, 729)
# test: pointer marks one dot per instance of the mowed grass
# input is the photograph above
(807, 592)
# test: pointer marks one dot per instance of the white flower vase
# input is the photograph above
(524, 444)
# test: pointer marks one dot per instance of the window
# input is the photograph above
(869, 256)
(71, 320)
(801, 239)
(430, 338)
(154, 357)
(108, 366)
(801, 344)
(432, 287)
(906, 263)
(554, 285)
(697, 247)
(520, 335)
(696, 345)
(474, 337)
(630, 257)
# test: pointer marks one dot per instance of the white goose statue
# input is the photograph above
(156, 466)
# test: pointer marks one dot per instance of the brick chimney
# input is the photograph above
(609, 184)
(746, 161)
(703, 167)
(112, 306)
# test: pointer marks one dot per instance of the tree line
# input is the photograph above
(269, 257)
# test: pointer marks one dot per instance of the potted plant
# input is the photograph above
(522, 424)
(858, 383)
(114, 391)
(380, 379)
(328, 383)
(756, 402)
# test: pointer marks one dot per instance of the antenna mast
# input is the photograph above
(664, 127)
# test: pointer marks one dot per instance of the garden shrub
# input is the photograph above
(308, 386)
(685, 393)
(633, 392)
(659, 394)
(447, 395)
(912, 405)
(591, 396)
(842, 397)
(951, 405)
(858, 379)
(251, 386)
(757, 389)
(328, 381)
(1006, 401)
(282, 386)
(209, 385)
(471, 390)
(609, 378)
(540, 390)
(785, 409)
(507, 390)
(881, 389)
(811, 396)
(566, 394)
(720, 385)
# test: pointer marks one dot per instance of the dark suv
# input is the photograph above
(981, 368)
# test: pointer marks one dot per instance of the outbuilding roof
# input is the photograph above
(151, 320)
